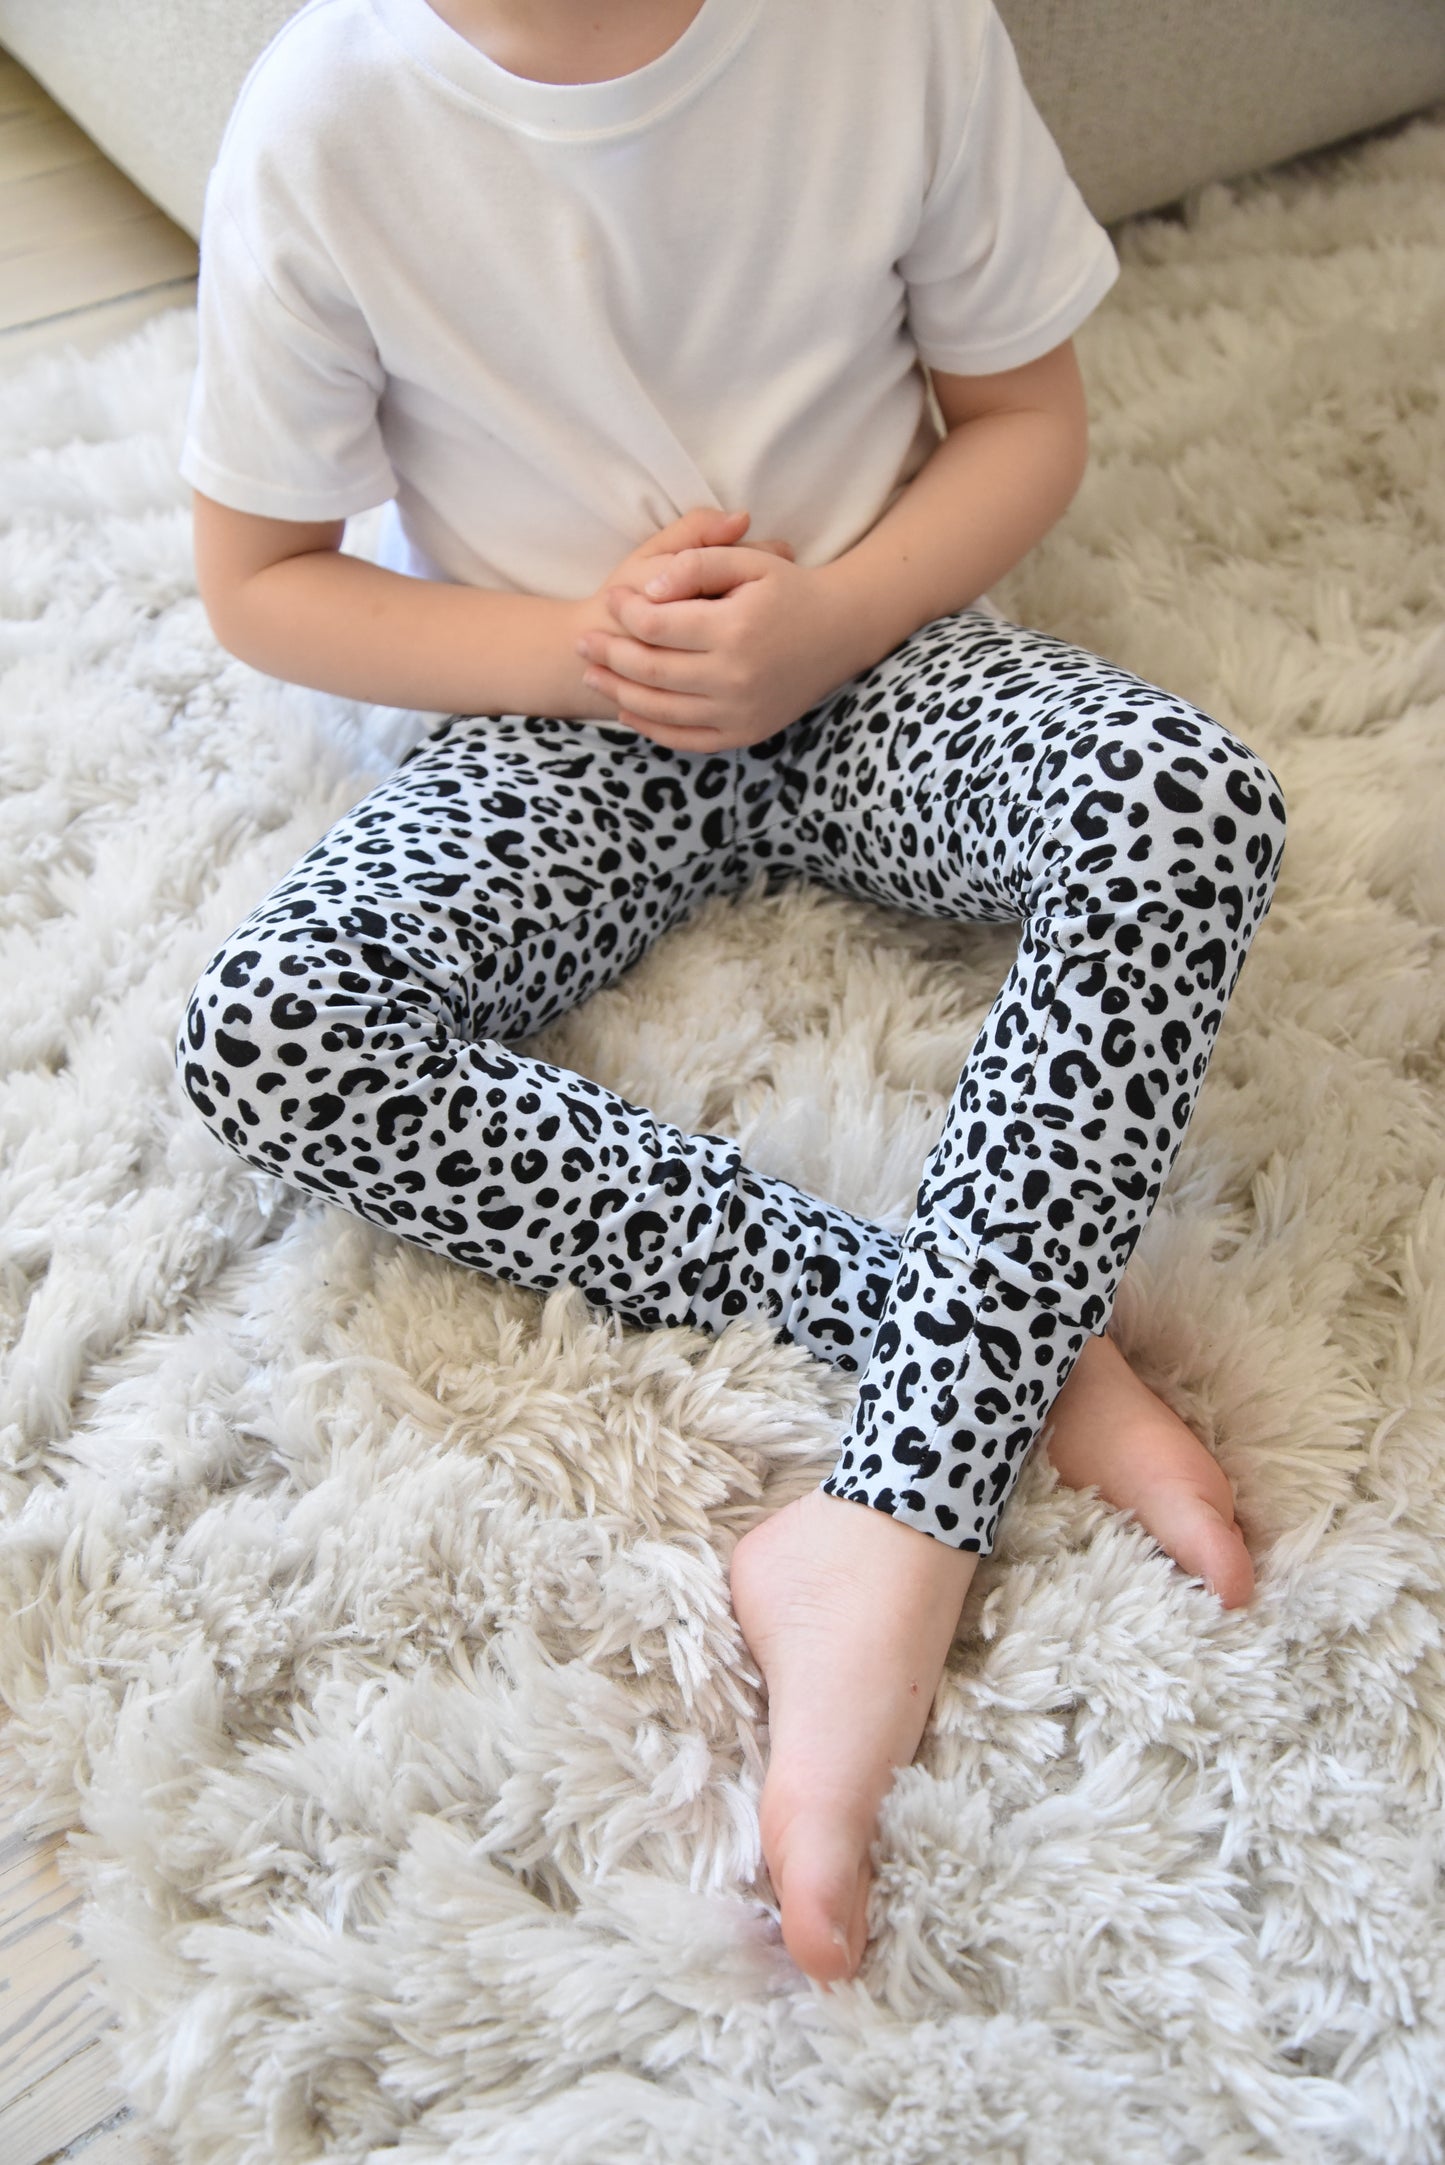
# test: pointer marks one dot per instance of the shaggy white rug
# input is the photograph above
(368, 1621)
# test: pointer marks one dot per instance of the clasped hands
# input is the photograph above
(702, 645)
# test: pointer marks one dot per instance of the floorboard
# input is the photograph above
(84, 256)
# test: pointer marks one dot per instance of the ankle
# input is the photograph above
(1100, 1357)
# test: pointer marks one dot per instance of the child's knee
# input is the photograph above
(1167, 799)
(1164, 843)
(245, 1029)
(1237, 827)
(1256, 810)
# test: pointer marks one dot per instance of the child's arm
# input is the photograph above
(281, 596)
(1012, 461)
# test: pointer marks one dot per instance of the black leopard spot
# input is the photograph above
(1174, 795)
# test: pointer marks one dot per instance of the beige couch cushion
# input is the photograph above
(1147, 98)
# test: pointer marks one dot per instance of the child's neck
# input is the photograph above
(569, 41)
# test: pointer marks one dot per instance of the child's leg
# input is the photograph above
(983, 771)
(346, 1036)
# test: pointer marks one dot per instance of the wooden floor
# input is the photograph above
(84, 258)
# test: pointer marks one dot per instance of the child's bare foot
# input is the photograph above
(1108, 1430)
(850, 1614)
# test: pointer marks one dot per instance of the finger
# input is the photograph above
(672, 710)
(702, 520)
(705, 523)
(703, 571)
(776, 548)
(689, 625)
(693, 630)
(665, 668)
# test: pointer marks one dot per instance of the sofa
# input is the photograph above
(1148, 99)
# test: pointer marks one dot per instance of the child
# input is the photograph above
(578, 292)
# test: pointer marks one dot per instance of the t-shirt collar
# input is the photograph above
(571, 111)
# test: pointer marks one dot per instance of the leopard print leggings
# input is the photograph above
(352, 1035)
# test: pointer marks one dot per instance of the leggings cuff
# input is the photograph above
(963, 1374)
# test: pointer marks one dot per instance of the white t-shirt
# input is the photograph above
(546, 319)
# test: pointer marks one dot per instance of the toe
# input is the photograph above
(1227, 1568)
(1202, 1540)
(822, 1887)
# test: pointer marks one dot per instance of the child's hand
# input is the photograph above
(706, 526)
(725, 646)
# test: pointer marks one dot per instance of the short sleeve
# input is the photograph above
(283, 415)
(1008, 260)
